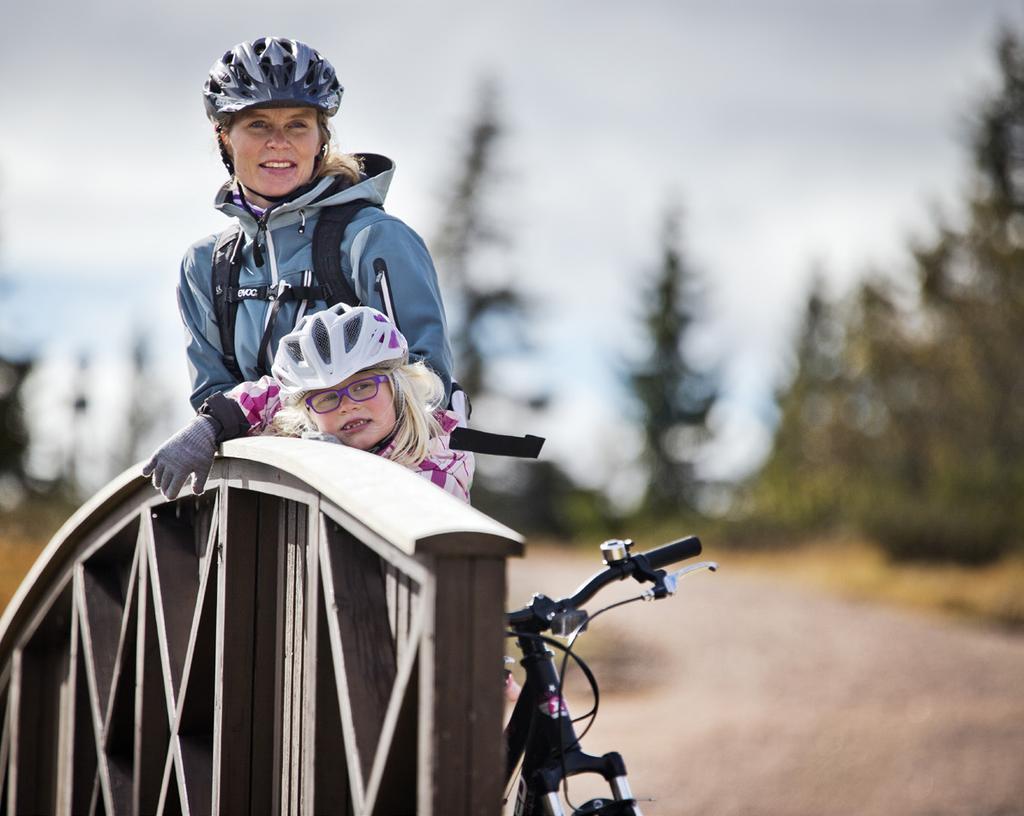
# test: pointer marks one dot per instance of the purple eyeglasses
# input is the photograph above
(323, 402)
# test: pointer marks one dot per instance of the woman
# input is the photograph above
(342, 376)
(270, 101)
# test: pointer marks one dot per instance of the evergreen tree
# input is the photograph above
(487, 319)
(925, 438)
(483, 312)
(673, 396)
(14, 437)
(798, 487)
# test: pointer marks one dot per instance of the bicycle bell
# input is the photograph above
(615, 550)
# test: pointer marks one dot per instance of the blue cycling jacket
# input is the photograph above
(413, 297)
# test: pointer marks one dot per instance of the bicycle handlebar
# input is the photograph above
(673, 552)
(641, 566)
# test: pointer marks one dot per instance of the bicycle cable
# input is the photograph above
(586, 673)
(567, 649)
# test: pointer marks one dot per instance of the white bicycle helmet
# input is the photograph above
(330, 346)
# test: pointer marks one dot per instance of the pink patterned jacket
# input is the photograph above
(451, 470)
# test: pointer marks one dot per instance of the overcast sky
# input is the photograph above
(792, 134)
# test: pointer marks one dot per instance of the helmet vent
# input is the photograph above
(322, 340)
(294, 350)
(352, 329)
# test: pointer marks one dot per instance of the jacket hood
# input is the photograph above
(327, 192)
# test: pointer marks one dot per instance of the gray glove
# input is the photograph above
(189, 451)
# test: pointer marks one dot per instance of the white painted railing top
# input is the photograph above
(400, 506)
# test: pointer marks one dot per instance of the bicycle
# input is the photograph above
(540, 731)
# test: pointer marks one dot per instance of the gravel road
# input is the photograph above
(742, 695)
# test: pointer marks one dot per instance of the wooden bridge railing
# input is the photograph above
(318, 633)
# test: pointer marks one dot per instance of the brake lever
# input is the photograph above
(670, 583)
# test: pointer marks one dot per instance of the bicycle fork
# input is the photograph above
(541, 731)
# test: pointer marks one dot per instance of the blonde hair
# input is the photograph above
(331, 163)
(417, 393)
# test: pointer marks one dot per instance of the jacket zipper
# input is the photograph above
(383, 284)
(273, 287)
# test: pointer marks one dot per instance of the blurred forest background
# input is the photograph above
(900, 428)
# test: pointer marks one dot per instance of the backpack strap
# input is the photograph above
(330, 229)
(227, 264)
(470, 439)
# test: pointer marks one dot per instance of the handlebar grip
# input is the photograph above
(680, 550)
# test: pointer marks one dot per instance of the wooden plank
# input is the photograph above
(4, 753)
(119, 727)
(469, 543)
(233, 687)
(313, 592)
(86, 718)
(391, 593)
(11, 731)
(426, 761)
(486, 666)
(281, 629)
(403, 613)
(392, 783)
(108, 580)
(331, 792)
(174, 578)
(286, 546)
(344, 701)
(297, 542)
(44, 668)
(169, 784)
(468, 704)
(66, 735)
(197, 773)
(266, 668)
(360, 604)
(152, 728)
(5, 741)
(194, 723)
(452, 682)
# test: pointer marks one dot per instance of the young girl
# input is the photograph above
(343, 375)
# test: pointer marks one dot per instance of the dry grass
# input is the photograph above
(16, 556)
(993, 593)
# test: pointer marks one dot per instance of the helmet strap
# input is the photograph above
(224, 155)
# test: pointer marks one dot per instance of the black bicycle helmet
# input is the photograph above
(270, 72)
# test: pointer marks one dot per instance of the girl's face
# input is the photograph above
(274, 150)
(359, 423)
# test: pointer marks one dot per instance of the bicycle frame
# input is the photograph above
(540, 731)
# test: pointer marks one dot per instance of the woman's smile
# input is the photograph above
(274, 150)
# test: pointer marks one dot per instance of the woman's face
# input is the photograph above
(274, 150)
(358, 424)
